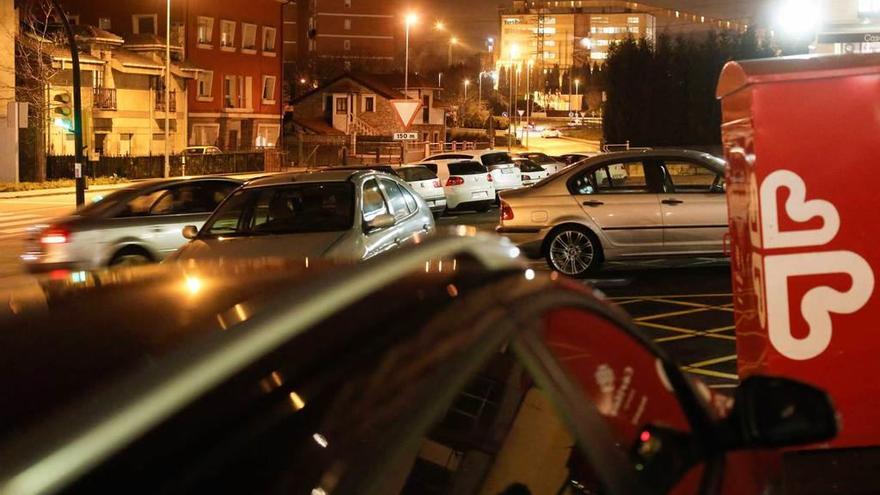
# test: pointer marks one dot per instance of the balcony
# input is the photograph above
(104, 98)
(160, 100)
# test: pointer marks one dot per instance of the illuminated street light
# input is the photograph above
(587, 43)
(439, 26)
(798, 17)
(452, 42)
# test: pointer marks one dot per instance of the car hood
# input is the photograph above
(284, 246)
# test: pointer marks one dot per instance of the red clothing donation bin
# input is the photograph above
(802, 139)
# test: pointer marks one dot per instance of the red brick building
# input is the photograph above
(233, 46)
(326, 37)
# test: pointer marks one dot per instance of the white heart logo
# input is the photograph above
(818, 303)
(798, 209)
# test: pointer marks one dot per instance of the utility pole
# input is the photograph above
(167, 169)
(77, 107)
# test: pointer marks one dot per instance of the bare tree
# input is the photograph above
(36, 41)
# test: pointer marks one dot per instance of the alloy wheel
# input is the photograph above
(572, 252)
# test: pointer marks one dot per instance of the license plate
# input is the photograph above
(506, 170)
(480, 194)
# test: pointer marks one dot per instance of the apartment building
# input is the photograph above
(233, 48)
(576, 32)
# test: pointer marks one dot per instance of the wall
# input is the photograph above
(8, 136)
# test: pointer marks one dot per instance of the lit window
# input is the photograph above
(205, 83)
(269, 39)
(346, 45)
(632, 20)
(348, 3)
(227, 34)
(346, 24)
(369, 103)
(249, 37)
(269, 89)
(104, 23)
(205, 30)
(598, 55)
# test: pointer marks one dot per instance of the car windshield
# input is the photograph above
(101, 204)
(496, 159)
(466, 168)
(413, 174)
(288, 209)
(541, 159)
(529, 166)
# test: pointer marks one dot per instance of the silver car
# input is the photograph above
(336, 214)
(139, 224)
(621, 205)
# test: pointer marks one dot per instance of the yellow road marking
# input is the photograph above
(695, 334)
(672, 313)
(712, 373)
(666, 327)
(712, 361)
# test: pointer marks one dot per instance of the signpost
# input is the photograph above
(406, 111)
(406, 136)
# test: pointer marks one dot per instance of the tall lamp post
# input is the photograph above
(410, 20)
(528, 100)
(167, 108)
(452, 42)
(77, 107)
(577, 83)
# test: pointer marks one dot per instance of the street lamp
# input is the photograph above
(452, 42)
(409, 20)
(439, 26)
(577, 83)
(528, 100)
(467, 82)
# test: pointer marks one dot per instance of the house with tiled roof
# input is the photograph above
(360, 104)
(123, 97)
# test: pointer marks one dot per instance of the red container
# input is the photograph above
(802, 139)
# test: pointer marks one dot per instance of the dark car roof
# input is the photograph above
(327, 175)
(684, 154)
(61, 338)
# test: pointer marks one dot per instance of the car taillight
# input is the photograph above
(437, 183)
(55, 236)
(506, 211)
(454, 181)
(489, 177)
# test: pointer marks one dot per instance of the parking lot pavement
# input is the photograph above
(683, 304)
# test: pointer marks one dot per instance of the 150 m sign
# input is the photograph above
(406, 136)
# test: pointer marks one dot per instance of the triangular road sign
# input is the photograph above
(406, 111)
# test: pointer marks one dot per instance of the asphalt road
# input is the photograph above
(684, 305)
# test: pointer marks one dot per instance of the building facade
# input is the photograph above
(360, 104)
(340, 35)
(123, 99)
(852, 26)
(576, 32)
(232, 47)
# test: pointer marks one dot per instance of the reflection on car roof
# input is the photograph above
(304, 177)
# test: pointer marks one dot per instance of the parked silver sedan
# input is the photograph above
(336, 214)
(139, 224)
(621, 205)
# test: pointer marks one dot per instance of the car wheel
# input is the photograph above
(130, 257)
(573, 251)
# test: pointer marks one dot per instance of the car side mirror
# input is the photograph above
(190, 232)
(382, 221)
(778, 412)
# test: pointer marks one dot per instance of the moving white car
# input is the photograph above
(468, 185)
(505, 175)
(531, 171)
(551, 132)
(426, 183)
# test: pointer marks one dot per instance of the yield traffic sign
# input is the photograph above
(406, 110)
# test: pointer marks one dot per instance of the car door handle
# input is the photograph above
(672, 201)
(593, 202)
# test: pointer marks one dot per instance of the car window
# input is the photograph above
(288, 209)
(541, 159)
(142, 204)
(411, 202)
(395, 199)
(490, 159)
(216, 191)
(529, 166)
(431, 166)
(414, 174)
(467, 168)
(684, 176)
(611, 178)
(373, 202)
(198, 197)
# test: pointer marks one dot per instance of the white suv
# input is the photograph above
(467, 184)
(505, 174)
